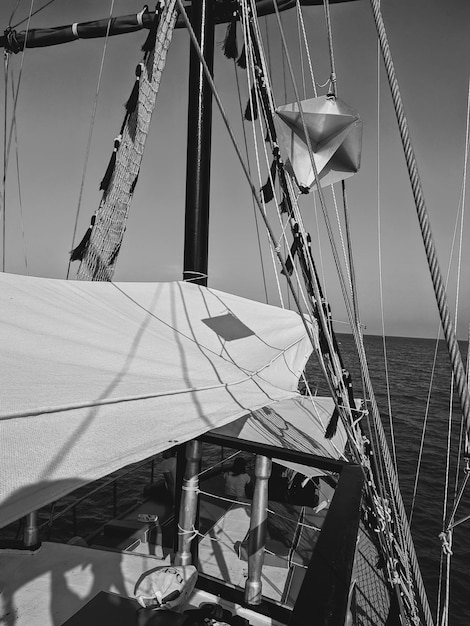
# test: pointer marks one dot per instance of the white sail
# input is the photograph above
(100, 375)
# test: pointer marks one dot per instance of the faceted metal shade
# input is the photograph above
(335, 132)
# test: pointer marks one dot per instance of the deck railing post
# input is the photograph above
(31, 531)
(257, 536)
(189, 503)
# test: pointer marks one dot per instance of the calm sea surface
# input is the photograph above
(410, 366)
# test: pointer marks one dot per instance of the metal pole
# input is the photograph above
(257, 537)
(188, 507)
(31, 531)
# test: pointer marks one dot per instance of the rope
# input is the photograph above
(307, 50)
(13, 12)
(463, 197)
(218, 463)
(248, 504)
(332, 90)
(102, 248)
(423, 219)
(24, 20)
(354, 293)
(4, 179)
(391, 476)
(250, 64)
(449, 429)
(431, 380)
(451, 523)
(6, 149)
(340, 230)
(379, 239)
(20, 201)
(302, 69)
(242, 163)
(90, 131)
(255, 215)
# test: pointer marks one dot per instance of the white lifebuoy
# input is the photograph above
(166, 587)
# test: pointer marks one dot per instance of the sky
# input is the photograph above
(429, 41)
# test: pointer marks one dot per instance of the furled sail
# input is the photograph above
(100, 247)
(101, 375)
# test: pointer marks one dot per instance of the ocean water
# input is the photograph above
(410, 364)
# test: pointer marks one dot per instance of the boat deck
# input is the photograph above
(49, 587)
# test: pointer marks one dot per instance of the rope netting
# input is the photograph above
(104, 237)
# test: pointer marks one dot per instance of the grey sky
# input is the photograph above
(429, 42)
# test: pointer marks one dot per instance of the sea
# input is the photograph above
(408, 397)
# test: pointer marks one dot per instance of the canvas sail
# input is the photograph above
(100, 375)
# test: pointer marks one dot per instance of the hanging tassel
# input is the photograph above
(149, 43)
(134, 97)
(293, 250)
(104, 185)
(242, 59)
(134, 183)
(230, 44)
(267, 191)
(78, 253)
(251, 111)
(333, 423)
(114, 254)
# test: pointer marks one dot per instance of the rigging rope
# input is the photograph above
(379, 239)
(20, 200)
(255, 215)
(332, 89)
(307, 49)
(100, 247)
(34, 13)
(446, 534)
(391, 475)
(216, 95)
(4, 177)
(463, 197)
(383, 441)
(90, 131)
(423, 219)
(7, 147)
(431, 380)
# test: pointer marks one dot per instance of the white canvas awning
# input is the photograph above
(296, 424)
(99, 375)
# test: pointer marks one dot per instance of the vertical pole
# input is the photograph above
(188, 507)
(196, 231)
(31, 531)
(257, 537)
(198, 163)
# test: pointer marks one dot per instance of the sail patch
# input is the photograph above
(228, 327)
